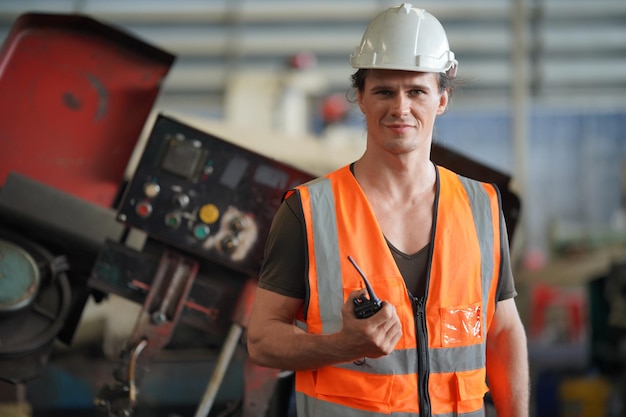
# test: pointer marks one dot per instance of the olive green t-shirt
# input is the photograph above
(284, 265)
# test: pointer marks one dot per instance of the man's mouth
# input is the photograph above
(399, 127)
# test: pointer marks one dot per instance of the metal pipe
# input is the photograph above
(132, 365)
(226, 355)
(520, 86)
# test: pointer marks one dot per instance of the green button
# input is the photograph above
(172, 220)
(201, 231)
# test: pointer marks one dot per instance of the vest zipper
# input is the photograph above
(423, 369)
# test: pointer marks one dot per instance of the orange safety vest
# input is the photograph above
(449, 377)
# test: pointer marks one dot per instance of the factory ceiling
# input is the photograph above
(573, 51)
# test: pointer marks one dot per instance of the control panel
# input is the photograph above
(205, 195)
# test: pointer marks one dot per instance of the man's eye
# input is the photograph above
(416, 92)
(384, 92)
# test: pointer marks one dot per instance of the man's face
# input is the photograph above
(400, 108)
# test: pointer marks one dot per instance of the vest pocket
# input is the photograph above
(471, 384)
(458, 392)
(335, 382)
(471, 389)
(461, 325)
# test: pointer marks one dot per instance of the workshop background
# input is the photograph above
(543, 102)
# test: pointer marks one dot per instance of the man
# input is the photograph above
(432, 245)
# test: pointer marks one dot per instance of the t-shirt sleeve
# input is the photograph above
(507, 283)
(285, 251)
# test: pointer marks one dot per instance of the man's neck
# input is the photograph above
(396, 175)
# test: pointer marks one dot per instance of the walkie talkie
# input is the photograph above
(365, 307)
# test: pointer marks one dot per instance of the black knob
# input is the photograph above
(181, 200)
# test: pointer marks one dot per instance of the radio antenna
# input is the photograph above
(370, 291)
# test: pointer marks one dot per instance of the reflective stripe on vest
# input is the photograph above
(466, 250)
(311, 407)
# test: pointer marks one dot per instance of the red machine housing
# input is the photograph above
(76, 94)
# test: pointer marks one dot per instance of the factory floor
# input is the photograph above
(565, 380)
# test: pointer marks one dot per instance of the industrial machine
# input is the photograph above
(206, 206)
(76, 96)
(183, 237)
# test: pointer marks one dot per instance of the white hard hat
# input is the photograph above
(405, 38)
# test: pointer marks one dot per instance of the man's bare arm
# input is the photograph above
(507, 362)
(275, 341)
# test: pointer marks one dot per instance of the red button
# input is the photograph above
(144, 209)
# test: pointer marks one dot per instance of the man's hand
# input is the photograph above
(372, 337)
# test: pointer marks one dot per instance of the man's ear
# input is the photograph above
(359, 100)
(443, 102)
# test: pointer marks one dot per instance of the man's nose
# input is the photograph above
(400, 106)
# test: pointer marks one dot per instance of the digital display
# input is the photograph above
(182, 158)
(234, 172)
(271, 177)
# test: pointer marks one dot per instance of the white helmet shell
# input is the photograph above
(405, 38)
